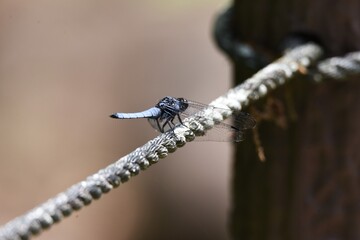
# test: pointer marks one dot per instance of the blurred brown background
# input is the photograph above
(64, 67)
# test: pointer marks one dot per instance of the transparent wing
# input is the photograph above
(232, 129)
(195, 107)
(244, 120)
(154, 124)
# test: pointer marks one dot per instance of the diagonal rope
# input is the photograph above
(79, 195)
(339, 68)
(239, 51)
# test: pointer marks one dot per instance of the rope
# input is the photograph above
(338, 68)
(83, 193)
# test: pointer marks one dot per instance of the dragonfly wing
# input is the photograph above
(196, 108)
(223, 132)
(244, 120)
(232, 129)
(156, 123)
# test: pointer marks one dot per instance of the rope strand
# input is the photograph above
(339, 68)
(82, 194)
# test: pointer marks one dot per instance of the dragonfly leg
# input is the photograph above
(169, 122)
(179, 119)
(171, 126)
(159, 127)
(163, 126)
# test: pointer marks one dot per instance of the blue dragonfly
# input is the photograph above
(171, 111)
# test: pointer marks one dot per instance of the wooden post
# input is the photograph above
(309, 185)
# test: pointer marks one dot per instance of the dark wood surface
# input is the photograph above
(308, 187)
(336, 23)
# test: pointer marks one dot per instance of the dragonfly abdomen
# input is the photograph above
(150, 113)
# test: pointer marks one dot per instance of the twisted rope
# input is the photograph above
(83, 193)
(339, 68)
(335, 68)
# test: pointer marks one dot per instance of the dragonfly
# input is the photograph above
(171, 111)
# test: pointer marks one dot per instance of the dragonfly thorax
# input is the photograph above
(173, 105)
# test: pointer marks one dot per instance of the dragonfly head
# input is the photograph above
(177, 104)
(183, 104)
